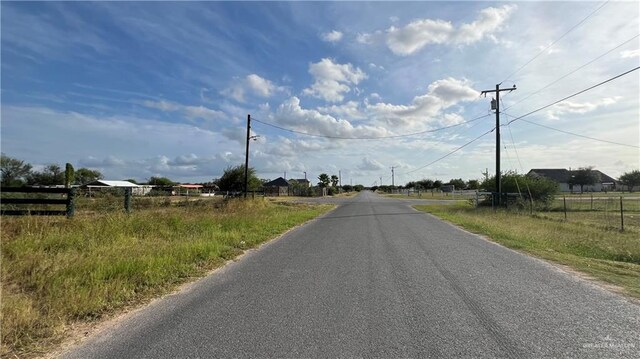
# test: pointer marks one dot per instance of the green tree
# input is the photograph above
(69, 175)
(437, 184)
(584, 176)
(631, 179)
(458, 183)
(85, 175)
(358, 187)
(334, 180)
(473, 184)
(425, 184)
(233, 179)
(14, 171)
(324, 180)
(160, 181)
(543, 190)
(51, 175)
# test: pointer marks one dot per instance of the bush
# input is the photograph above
(541, 190)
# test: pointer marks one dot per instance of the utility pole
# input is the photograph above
(393, 181)
(339, 178)
(486, 174)
(246, 158)
(380, 181)
(305, 175)
(497, 108)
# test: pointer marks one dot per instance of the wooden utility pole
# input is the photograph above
(497, 108)
(393, 181)
(246, 158)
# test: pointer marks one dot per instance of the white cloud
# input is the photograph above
(251, 84)
(568, 107)
(441, 94)
(291, 114)
(190, 112)
(420, 33)
(489, 21)
(333, 36)
(348, 109)
(630, 54)
(332, 80)
(369, 164)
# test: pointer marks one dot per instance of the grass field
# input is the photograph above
(608, 255)
(56, 272)
(429, 195)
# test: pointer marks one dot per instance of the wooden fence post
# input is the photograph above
(564, 198)
(621, 216)
(127, 200)
(71, 205)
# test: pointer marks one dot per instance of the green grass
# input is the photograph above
(608, 255)
(57, 272)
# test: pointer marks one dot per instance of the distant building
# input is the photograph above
(136, 190)
(277, 187)
(562, 177)
(188, 189)
(301, 182)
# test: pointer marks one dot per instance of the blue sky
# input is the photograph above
(139, 89)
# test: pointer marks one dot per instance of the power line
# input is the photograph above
(452, 152)
(577, 134)
(574, 71)
(556, 41)
(368, 138)
(573, 95)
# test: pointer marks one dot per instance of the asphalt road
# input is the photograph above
(377, 279)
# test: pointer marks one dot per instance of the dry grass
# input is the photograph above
(57, 272)
(608, 255)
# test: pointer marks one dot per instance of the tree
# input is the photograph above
(85, 175)
(584, 176)
(69, 175)
(457, 183)
(425, 183)
(334, 180)
(542, 189)
(233, 179)
(437, 184)
(14, 171)
(51, 175)
(324, 180)
(631, 179)
(160, 181)
(473, 184)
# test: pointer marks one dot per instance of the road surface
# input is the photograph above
(377, 279)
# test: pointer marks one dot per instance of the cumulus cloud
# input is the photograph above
(369, 164)
(333, 36)
(251, 84)
(441, 94)
(422, 32)
(291, 114)
(190, 112)
(350, 109)
(569, 107)
(332, 80)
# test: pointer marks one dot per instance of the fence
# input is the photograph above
(13, 204)
(604, 211)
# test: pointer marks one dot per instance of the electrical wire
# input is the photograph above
(452, 152)
(573, 95)
(368, 138)
(556, 41)
(573, 71)
(577, 134)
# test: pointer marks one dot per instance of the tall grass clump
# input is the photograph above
(57, 272)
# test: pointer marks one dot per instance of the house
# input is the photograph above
(562, 177)
(136, 190)
(277, 187)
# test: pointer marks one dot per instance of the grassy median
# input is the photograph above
(608, 255)
(58, 272)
